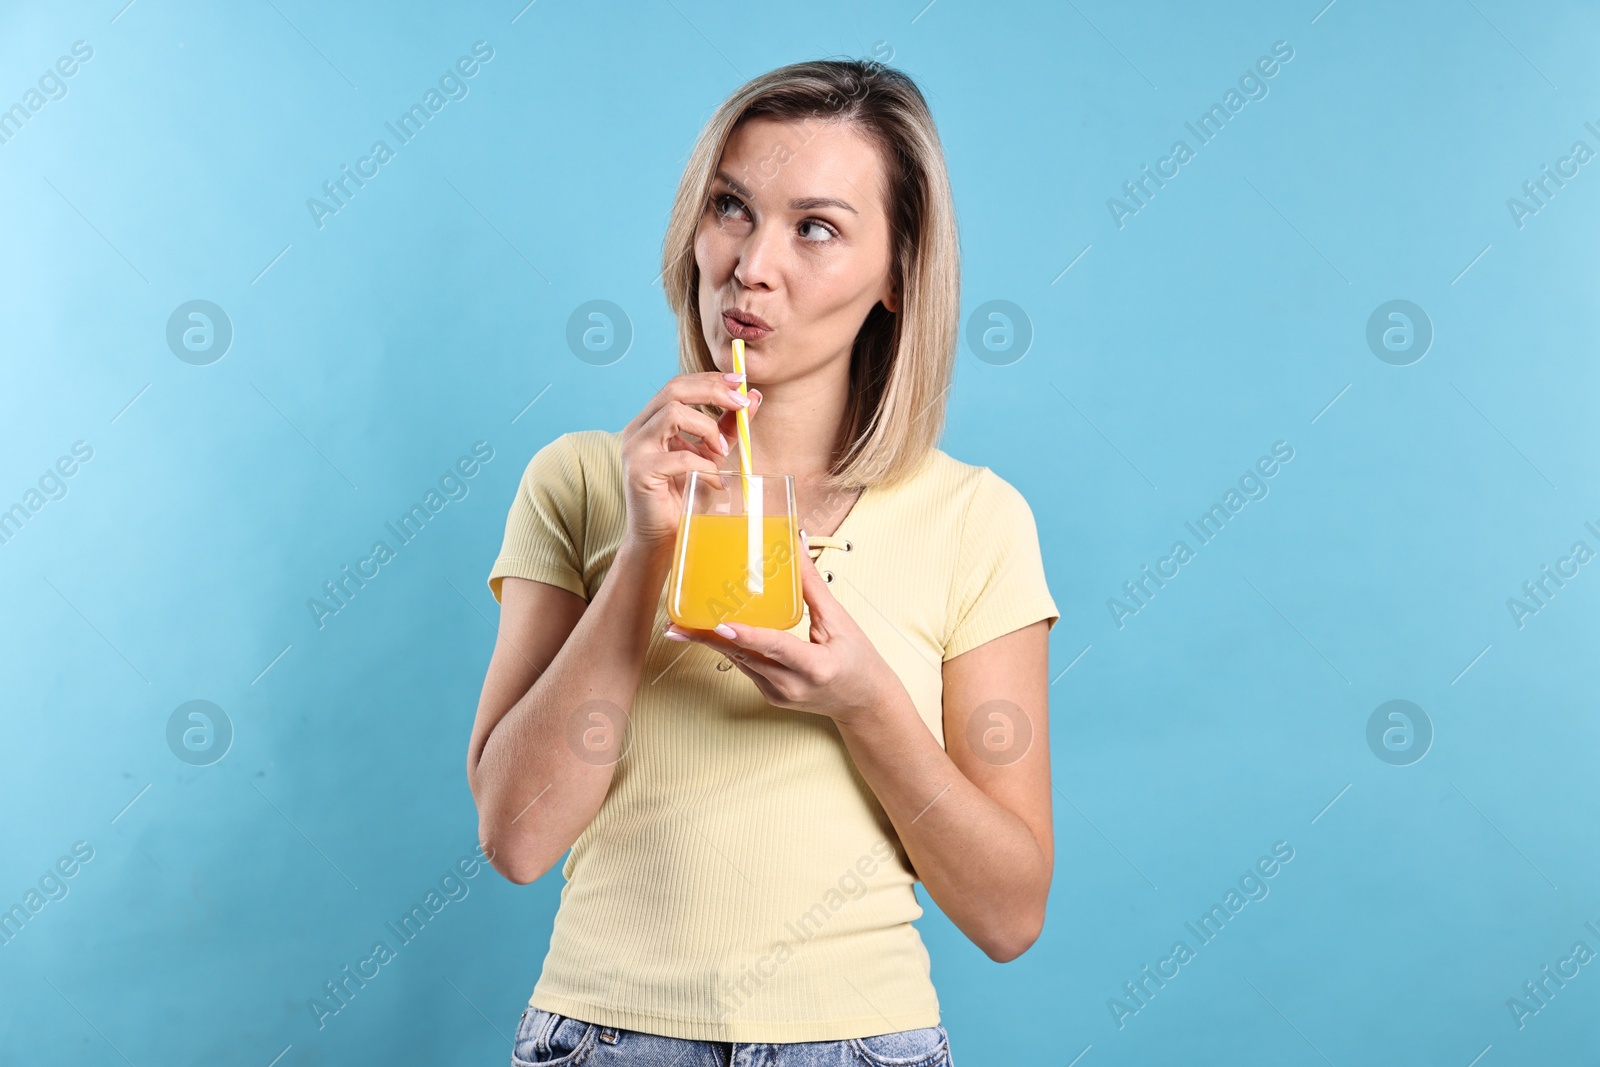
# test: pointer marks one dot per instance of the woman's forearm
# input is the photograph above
(547, 764)
(979, 861)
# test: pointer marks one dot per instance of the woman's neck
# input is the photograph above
(798, 428)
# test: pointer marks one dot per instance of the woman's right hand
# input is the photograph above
(669, 438)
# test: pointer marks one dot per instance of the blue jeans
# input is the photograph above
(550, 1040)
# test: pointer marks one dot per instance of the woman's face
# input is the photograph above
(795, 234)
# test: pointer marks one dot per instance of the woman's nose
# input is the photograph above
(756, 267)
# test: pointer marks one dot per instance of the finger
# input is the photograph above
(773, 681)
(679, 463)
(704, 450)
(763, 683)
(708, 387)
(729, 422)
(713, 448)
(676, 418)
(674, 388)
(732, 649)
(818, 597)
(781, 649)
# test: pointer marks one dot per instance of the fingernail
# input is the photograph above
(723, 438)
(673, 635)
(739, 398)
(733, 376)
(804, 540)
(725, 630)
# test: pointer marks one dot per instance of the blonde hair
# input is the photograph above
(901, 362)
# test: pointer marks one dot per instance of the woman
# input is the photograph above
(744, 842)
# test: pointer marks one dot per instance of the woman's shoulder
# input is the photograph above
(964, 486)
(593, 454)
(978, 508)
(591, 444)
(577, 473)
(596, 448)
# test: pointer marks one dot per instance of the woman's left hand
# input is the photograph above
(838, 673)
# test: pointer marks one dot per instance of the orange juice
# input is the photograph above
(710, 575)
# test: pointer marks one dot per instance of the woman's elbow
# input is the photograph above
(1015, 934)
(517, 875)
(514, 864)
(1007, 946)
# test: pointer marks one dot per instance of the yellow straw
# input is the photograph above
(755, 525)
(742, 416)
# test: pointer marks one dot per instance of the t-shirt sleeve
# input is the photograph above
(1000, 584)
(546, 525)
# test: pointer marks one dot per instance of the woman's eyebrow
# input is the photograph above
(810, 203)
(731, 184)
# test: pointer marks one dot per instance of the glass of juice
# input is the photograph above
(736, 556)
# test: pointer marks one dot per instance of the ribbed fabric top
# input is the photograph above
(740, 881)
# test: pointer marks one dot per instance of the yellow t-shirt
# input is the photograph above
(740, 881)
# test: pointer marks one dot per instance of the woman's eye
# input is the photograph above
(722, 205)
(821, 230)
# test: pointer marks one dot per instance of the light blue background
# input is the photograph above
(1228, 314)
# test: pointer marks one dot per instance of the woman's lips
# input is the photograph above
(741, 330)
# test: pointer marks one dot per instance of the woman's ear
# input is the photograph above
(891, 300)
